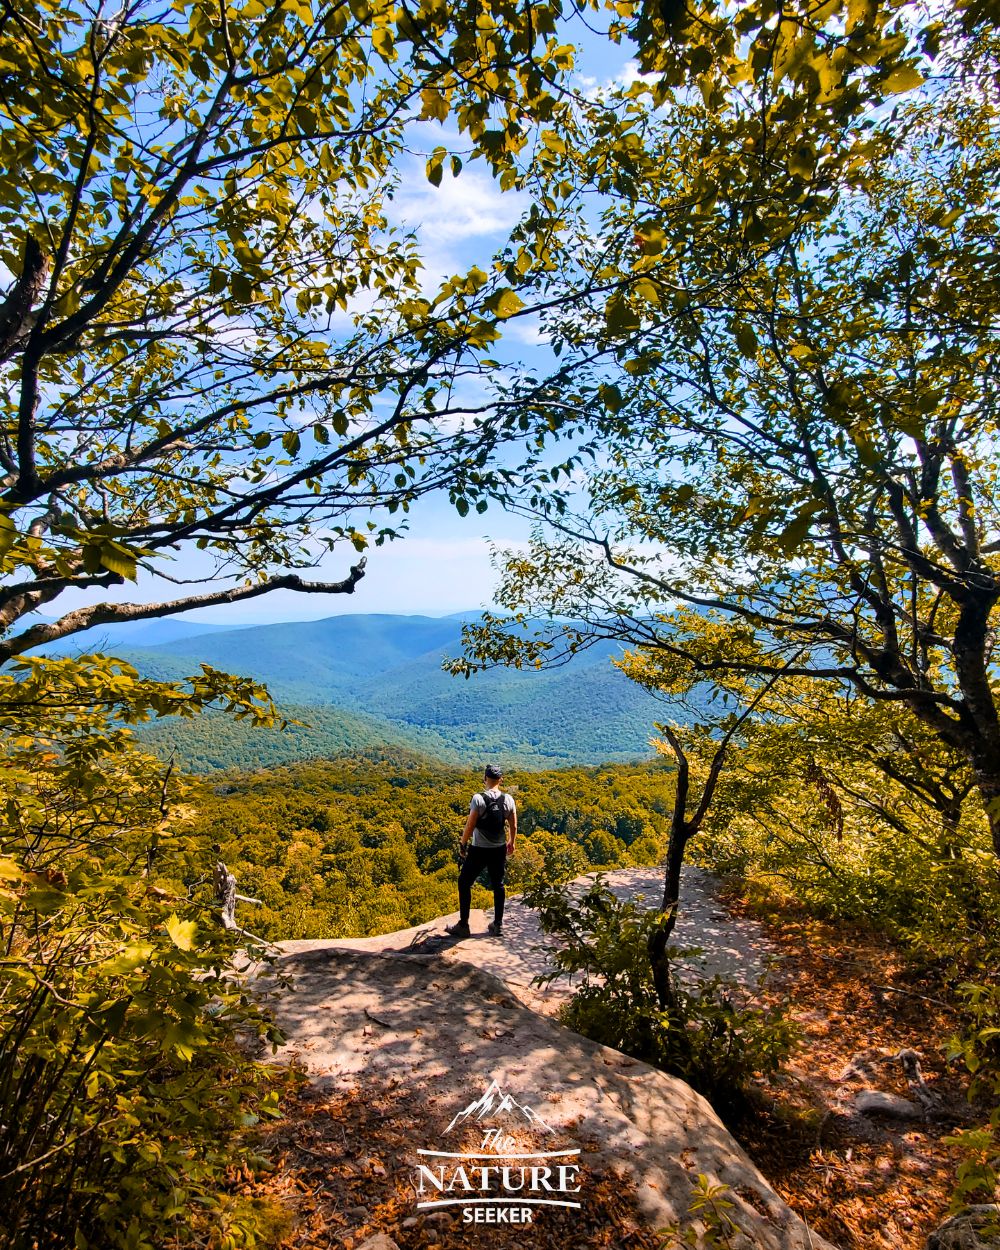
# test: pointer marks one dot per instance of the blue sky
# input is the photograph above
(444, 565)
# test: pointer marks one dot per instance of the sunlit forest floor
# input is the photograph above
(860, 1181)
(865, 1183)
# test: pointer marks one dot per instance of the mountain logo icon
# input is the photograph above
(495, 1103)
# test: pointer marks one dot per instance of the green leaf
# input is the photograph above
(127, 960)
(746, 340)
(792, 536)
(8, 534)
(903, 78)
(611, 397)
(621, 318)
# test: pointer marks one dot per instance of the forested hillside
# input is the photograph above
(353, 846)
(214, 742)
(359, 681)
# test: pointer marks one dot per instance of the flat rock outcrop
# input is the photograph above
(398, 1008)
(730, 946)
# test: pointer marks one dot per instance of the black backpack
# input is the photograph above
(492, 823)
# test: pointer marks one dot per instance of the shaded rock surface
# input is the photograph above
(878, 1102)
(418, 1009)
(975, 1228)
(721, 944)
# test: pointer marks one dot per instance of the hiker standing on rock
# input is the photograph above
(490, 814)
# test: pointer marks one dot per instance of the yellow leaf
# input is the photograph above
(382, 42)
(9, 870)
(905, 78)
(129, 958)
(505, 303)
(434, 105)
(181, 932)
(801, 160)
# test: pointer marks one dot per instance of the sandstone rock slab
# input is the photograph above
(449, 1029)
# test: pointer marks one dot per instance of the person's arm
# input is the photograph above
(470, 824)
(512, 822)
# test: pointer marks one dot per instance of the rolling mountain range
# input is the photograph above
(368, 681)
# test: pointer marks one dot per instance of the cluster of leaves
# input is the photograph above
(710, 1226)
(212, 335)
(978, 1048)
(712, 1035)
(355, 846)
(122, 1089)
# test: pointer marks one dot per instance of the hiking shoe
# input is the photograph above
(494, 929)
(459, 929)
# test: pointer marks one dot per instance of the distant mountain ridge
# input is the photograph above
(151, 633)
(363, 679)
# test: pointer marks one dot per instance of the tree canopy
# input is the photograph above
(212, 336)
(794, 404)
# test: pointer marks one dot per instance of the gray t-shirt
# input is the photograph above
(478, 806)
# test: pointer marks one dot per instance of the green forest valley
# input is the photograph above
(361, 845)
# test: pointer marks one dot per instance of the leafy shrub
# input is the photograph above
(978, 1047)
(715, 1038)
(123, 1092)
(876, 846)
(713, 1228)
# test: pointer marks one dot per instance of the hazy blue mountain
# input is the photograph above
(364, 679)
(130, 634)
(312, 661)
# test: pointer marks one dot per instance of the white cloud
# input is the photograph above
(528, 331)
(467, 207)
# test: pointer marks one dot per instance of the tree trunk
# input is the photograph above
(659, 939)
(971, 649)
(988, 784)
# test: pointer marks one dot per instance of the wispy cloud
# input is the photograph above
(471, 206)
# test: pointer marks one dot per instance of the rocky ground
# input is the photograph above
(398, 1031)
(880, 1180)
(716, 940)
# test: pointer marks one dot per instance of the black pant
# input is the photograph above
(494, 860)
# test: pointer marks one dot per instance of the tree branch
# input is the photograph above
(114, 613)
(15, 309)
